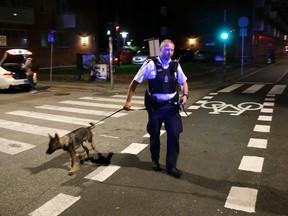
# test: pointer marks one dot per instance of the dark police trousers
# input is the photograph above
(169, 114)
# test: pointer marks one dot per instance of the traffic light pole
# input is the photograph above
(224, 61)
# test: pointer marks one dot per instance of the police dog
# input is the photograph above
(72, 141)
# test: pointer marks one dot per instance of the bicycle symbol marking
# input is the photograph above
(220, 106)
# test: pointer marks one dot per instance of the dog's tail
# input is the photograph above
(92, 125)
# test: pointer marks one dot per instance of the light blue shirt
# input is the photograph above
(149, 71)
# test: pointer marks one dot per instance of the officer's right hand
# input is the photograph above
(127, 106)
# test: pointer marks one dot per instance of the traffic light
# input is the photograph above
(117, 28)
(224, 35)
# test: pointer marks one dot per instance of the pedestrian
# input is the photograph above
(27, 66)
(162, 103)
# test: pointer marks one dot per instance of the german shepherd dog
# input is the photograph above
(72, 141)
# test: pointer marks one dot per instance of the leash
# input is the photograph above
(108, 116)
(182, 106)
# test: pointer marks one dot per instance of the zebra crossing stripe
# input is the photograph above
(231, 88)
(13, 147)
(82, 111)
(102, 173)
(277, 89)
(81, 103)
(253, 88)
(111, 100)
(51, 117)
(124, 96)
(30, 128)
(134, 148)
(56, 205)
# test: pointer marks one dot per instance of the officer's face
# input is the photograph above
(167, 51)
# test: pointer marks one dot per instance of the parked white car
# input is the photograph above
(11, 73)
(140, 57)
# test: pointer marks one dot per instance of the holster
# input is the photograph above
(150, 101)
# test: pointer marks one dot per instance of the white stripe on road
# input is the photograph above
(134, 148)
(253, 88)
(242, 199)
(78, 110)
(268, 104)
(111, 100)
(13, 147)
(264, 118)
(148, 135)
(251, 163)
(51, 117)
(112, 106)
(102, 173)
(31, 129)
(277, 89)
(257, 143)
(262, 128)
(266, 110)
(183, 114)
(231, 88)
(207, 97)
(55, 206)
(269, 99)
(125, 96)
(194, 107)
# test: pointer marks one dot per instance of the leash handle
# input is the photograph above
(182, 106)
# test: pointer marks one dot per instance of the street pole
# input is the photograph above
(51, 63)
(224, 61)
(111, 62)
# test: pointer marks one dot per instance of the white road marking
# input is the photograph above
(31, 129)
(262, 128)
(213, 93)
(194, 107)
(251, 163)
(270, 104)
(124, 96)
(269, 99)
(102, 173)
(207, 97)
(134, 148)
(277, 89)
(13, 147)
(257, 143)
(264, 118)
(231, 88)
(242, 199)
(266, 110)
(183, 114)
(81, 103)
(78, 110)
(52, 117)
(253, 88)
(111, 100)
(55, 206)
(201, 101)
(148, 135)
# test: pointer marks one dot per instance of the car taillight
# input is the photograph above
(7, 75)
(34, 74)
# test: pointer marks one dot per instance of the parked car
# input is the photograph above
(141, 56)
(126, 55)
(185, 55)
(203, 56)
(11, 73)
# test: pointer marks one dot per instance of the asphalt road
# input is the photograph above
(233, 150)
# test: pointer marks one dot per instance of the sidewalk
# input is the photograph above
(208, 80)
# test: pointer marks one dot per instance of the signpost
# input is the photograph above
(242, 23)
(51, 40)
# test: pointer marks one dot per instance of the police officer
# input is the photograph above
(164, 76)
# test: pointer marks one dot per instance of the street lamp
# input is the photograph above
(124, 35)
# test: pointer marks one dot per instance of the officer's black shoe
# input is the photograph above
(156, 166)
(174, 172)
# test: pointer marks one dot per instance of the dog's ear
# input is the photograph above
(56, 136)
(50, 136)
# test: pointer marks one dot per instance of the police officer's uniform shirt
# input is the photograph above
(148, 71)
